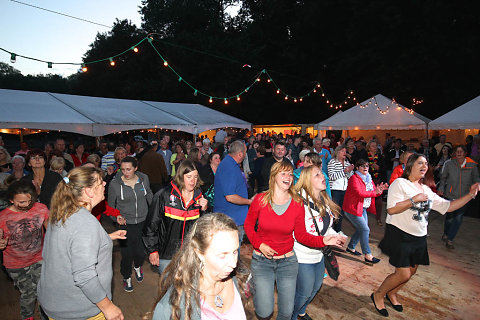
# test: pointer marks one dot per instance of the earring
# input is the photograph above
(202, 265)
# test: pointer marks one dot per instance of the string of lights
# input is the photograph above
(263, 75)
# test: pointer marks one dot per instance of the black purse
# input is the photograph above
(331, 264)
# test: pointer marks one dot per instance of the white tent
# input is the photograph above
(376, 113)
(467, 116)
(95, 116)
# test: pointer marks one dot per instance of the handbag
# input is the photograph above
(331, 264)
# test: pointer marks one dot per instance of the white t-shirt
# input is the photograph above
(403, 189)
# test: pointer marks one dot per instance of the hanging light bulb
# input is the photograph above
(238, 98)
(135, 49)
(269, 80)
(112, 63)
(13, 58)
(314, 90)
(165, 63)
(195, 92)
(84, 68)
(258, 79)
(286, 97)
(278, 91)
(301, 99)
(295, 100)
(49, 65)
(225, 101)
(210, 100)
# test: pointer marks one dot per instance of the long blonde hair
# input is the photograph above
(304, 184)
(182, 275)
(66, 198)
(278, 167)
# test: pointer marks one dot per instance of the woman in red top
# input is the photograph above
(279, 213)
(360, 198)
(80, 156)
(21, 239)
(398, 170)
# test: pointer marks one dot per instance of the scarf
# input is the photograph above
(371, 160)
(367, 179)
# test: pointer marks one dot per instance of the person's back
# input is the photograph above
(153, 165)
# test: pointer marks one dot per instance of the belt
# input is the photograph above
(283, 256)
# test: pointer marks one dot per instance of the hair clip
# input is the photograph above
(66, 180)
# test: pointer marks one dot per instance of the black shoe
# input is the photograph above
(354, 252)
(383, 311)
(304, 317)
(396, 307)
(373, 261)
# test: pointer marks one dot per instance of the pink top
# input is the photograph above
(235, 312)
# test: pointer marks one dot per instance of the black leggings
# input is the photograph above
(132, 249)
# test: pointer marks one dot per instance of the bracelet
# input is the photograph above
(413, 202)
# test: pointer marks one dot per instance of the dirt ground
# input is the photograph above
(447, 289)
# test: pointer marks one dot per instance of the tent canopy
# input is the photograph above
(367, 116)
(95, 116)
(467, 116)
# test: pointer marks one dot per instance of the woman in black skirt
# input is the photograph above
(405, 242)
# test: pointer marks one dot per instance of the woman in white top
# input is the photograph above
(339, 171)
(311, 267)
(408, 204)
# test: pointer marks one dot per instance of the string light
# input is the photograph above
(225, 101)
(149, 38)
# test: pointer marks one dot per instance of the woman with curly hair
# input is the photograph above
(200, 282)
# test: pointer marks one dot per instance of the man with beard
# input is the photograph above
(21, 240)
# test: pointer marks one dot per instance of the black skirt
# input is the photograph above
(404, 250)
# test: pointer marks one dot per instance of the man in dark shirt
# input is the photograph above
(279, 152)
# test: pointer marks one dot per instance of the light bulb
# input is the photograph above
(165, 63)
(225, 101)
(49, 64)
(278, 91)
(112, 63)
(210, 100)
(13, 58)
(135, 49)
(238, 98)
(84, 68)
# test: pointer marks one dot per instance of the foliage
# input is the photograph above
(422, 49)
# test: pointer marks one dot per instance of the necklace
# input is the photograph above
(217, 300)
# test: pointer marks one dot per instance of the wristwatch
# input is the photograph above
(413, 202)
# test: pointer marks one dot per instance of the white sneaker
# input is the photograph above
(138, 274)
(127, 285)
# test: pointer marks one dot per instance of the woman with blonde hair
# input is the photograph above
(5, 160)
(76, 275)
(320, 212)
(280, 214)
(200, 282)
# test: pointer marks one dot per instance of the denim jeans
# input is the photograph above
(337, 197)
(362, 231)
(453, 220)
(265, 273)
(309, 281)
(162, 265)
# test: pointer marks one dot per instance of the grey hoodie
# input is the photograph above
(132, 202)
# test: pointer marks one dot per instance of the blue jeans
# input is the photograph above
(309, 281)
(163, 264)
(453, 220)
(337, 197)
(362, 231)
(265, 273)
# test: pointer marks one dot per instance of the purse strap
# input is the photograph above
(313, 217)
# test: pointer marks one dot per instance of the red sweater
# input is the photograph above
(277, 231)
(354, 195)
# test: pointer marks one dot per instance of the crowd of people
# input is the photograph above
(187, 206)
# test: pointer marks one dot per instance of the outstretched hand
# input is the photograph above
(119, 234)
